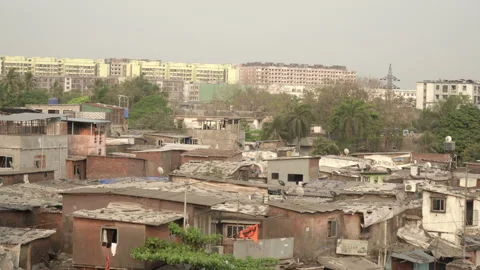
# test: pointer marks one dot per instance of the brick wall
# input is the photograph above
(168, 160)
(50, 221)
(39, 251)
(14, 218)
(32, 177)
(103, 167)
(70, 166)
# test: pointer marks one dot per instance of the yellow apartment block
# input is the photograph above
(123, 68)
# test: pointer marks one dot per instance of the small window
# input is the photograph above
(437, 96)
(38, 164)
(445, 88)
(108, 237)
(6, 162)
(194, 141)
(454, 87)
(99, 152)
(464, 88)
(232, 231)
(275, 176)
(438, 205)
(332, 228)
(160, 142)
(437, 87)
(295, 178)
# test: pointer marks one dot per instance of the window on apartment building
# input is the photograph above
(445, 96)
(445, 88)
(437, 87)
(99, 152)
(438, 205)
(6, 162)
(295, 178)
(332, 228)
(464, 87)
(109, 237)
(194, 141)
(232, 230)
(454, 87)
(275, 176)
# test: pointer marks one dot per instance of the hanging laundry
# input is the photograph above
(114, 249)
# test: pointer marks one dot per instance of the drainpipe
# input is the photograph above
(385, 242)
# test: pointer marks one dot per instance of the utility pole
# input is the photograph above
(389, 85)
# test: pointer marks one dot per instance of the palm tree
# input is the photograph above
(351, 119)
(276, 130)
(298, 121)
(29, 82)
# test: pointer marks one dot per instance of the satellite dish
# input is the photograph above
(346, 151)
(427, 165)
(448, 139)
(299, 191)
(160, 170)
(281, 183)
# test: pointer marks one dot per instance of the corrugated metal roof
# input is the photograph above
(21, 117)
(415, 256)
(85, 120)
(152, 194)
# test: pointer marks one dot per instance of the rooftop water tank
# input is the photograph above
(53, 101)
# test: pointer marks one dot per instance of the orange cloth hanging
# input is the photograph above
(250, 233)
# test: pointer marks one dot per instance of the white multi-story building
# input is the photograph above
(430, 92)
(293, 90)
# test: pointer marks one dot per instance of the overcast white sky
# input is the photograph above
(423, 39)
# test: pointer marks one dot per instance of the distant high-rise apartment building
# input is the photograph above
(49, 66)
(430, 92)
(293, 74)
(119, 68)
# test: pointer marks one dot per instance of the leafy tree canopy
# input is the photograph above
(323, 146)
(191, 250)
(151, 112)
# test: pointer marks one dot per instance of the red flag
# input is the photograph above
(107, 262)
(250, 233)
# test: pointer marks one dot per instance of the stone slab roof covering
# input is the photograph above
(130, 213)
(431, 157)
(28, 196)
(220, 169)
(20, 236)
(212, 153)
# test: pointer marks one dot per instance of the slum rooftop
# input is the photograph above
(28, 196)
(20, 236)
(129, 213)
(212, 153)
(213, 168)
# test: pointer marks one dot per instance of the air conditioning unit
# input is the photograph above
(410, 187)
(216, 249)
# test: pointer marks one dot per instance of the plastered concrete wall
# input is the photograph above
(292, 166)
(223, 139)
(449, 224)
(85, 145)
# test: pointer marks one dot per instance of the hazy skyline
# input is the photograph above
(421, 39)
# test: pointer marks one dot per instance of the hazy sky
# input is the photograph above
(423, 39)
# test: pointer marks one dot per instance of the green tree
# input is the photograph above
(276, 130)
(323, 146)
(29, 82)
(191, 251)
(325, 99)
(11, 86)
(352, 122)
(38, 96)
(298, 121)
(472, 153)
(151, 112)
(251, 135)
(79, 100)
(463, 125)
(56, 90)
(429, 143)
